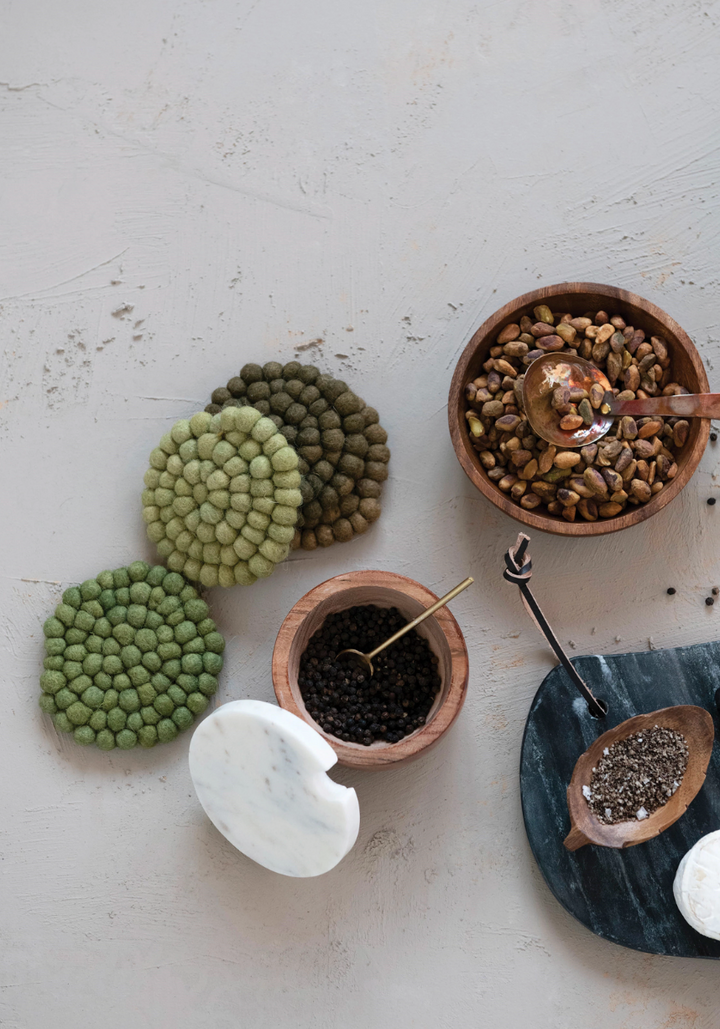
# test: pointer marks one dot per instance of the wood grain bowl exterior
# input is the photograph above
(577, 298)
(696, 725)
(384, 589)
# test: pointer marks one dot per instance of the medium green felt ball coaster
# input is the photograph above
(222, 497)
(132, 657)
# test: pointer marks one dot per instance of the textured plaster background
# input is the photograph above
(187, 185)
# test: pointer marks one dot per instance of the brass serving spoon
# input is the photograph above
(365, 660)
(552, 370)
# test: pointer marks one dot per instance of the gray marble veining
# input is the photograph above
(259, 773)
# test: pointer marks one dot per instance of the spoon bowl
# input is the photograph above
(545, 375)
(695, 724)
(359, 659)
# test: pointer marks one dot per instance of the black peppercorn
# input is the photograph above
(709, 601)
(391, 704)
(672, 591)
(713, 437)
(711, 501)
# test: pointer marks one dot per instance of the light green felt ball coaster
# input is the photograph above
(132, 657)
(216, 502)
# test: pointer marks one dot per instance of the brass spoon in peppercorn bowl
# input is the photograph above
(365, 660)
(552, 370)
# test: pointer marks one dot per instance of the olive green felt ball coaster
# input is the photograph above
(222, 497)
(341, 445)
(132, 657)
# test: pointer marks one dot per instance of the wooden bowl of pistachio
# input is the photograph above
(628, 475)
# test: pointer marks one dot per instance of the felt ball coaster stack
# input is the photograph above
(343, 456)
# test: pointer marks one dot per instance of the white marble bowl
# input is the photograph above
(383, 589)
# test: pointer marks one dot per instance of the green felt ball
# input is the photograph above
(166, 730)
(105, 740)
(116, 719)
(177, 695)
(163, 704)
(78, 713)
(112, 664)
(98, 720)
(260, 567)
(124, 633)
(52, 682)
(188, 451)
(75, 635)
(66, 614)
(94, 644)
(182, 717)
(192, 664)
(54, 664)
(152, 661)
(53, 628)
(121, 682)
(207, 684)
(284, 460)
(281, 533)
(149, 715)
(134, 721)
(272, 551)
(54, 646)
(287, 480)
(136, 614)
(209, 575)
(196, 703)
(102, 628)
(138, 675)
(147, 736)
(61, 722)
(126, 739)
(145, 640)
(192, 568)
(84, 735)
(47, 704)
(181, 432)
(102, 680)
(92, 697)
(72, 596)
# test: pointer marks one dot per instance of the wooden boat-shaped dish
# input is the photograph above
(696, 725)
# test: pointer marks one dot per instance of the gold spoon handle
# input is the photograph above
(421, 617)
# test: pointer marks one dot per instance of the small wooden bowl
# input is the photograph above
(577, 298)
(383, 589)
(696, 725)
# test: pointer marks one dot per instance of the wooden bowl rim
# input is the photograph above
(466, 455)
(628, 834)
(355, 755)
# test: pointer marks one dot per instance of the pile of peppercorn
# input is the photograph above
(394, 702)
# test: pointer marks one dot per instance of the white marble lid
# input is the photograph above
(259, 773)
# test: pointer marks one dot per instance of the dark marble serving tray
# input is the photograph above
(622, 895)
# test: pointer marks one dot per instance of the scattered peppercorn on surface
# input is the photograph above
(343, 456)
(627, 467)
(222, 497)
(132, 658)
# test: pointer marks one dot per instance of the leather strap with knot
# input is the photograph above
(519, 571)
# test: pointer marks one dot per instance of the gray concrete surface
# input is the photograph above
(188, 185)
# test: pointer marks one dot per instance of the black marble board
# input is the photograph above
(621, 895)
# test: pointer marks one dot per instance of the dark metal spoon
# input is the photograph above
(553, 370)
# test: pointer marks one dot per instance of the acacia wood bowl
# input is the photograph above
(696, 725)
(577, 298)
(384, 589)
